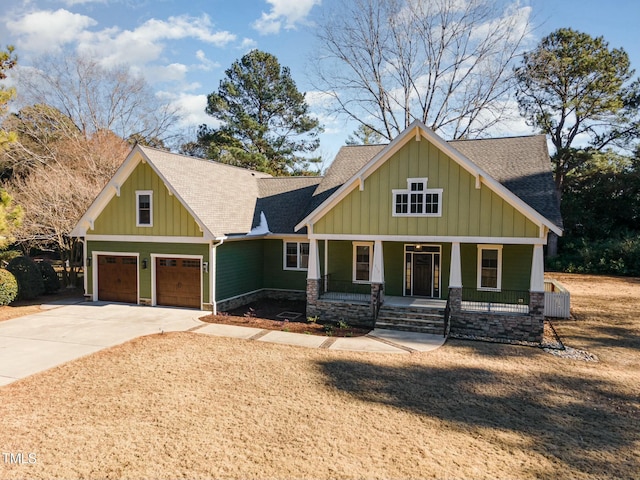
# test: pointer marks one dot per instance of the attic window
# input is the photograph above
(144, 208)
(417, 200)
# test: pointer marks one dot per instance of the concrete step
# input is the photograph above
(434, 330)
(410, 315)
(420, 310)
(411, 321)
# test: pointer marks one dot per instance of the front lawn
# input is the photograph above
(196, 406)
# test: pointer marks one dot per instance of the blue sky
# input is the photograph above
(183, 47)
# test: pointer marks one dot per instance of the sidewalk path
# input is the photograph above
(63, 332)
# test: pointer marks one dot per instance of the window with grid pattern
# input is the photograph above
(417, 200)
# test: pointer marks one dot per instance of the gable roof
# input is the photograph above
(221, 196)
(223, 199)
(516, 168)
(226, 200)
(522, 165)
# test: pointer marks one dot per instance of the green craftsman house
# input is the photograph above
(422, 234)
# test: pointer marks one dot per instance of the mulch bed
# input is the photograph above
(283, 315)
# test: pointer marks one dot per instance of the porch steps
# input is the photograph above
(412, 319)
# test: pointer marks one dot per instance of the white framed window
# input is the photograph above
(489, 267)
(296, 256)
(362, 261)
(417, 200)
(144, 208)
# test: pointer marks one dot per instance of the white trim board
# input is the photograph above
(431, 239)
(146, 239)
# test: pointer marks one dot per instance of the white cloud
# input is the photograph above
(191, 108)
(205, 64)
(319, 99)
(285, 13)
(146, 43)
(46, 30)
(248, 44)
(71, 3)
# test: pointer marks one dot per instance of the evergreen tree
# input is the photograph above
(572, 84)
(265, 121)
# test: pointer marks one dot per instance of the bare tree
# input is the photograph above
(56, 193)
(448, 63)
(96, 98)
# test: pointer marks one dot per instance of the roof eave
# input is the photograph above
(417, 129)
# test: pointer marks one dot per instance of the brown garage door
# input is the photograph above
(118, 278)
(178, 282)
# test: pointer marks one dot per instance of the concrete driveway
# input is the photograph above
(37, 342)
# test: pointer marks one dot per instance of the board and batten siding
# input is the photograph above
(466, 210)
(145, 250)
(170, 217)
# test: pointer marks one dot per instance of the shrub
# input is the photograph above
(8, 255)
(8, 287)
(612, 256)
(27, 273)
(49, 277)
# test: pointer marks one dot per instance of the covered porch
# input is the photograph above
(429, 275)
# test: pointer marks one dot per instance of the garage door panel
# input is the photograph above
(117, 278)
(178, 282)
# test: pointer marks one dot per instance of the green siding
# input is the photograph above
(170, 217)
(340, 261)
(274, 274)
(466, 211)
(516, 266)
(393, 268)
(239, 268)
(145, 250)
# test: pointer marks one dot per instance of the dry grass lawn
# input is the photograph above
(187, 405)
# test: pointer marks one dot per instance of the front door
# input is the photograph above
(422, 271)
(423, 274)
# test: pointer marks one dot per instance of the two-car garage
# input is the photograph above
(175, 281)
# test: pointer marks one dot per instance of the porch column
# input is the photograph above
(313, 279)
(455, 270)
(536, 291)
(313, 272)
(377, 279)
(455, 281)
(377, 273)
(537, 269)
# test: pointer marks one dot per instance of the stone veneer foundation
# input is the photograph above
(503, 326)
(272, 294)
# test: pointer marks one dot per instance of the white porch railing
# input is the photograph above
(557, 300)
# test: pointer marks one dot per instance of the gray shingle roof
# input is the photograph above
(222, 197)
(348, 161)
(521, 164)
(229, 200)
(284, 201)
